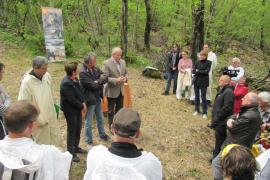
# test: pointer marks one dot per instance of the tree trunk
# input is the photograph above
(124, 27)
(147, 25)
(197, 40)
(262, 27)
(135, 31)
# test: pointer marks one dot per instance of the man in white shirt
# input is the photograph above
(21, 157)
(123, 160)
(213, 58)
(236, 66)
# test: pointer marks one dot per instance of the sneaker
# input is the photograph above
(80, 150)
(105, 137)
(75, 159)
(89, 146)
(204, 116)
(195, 113)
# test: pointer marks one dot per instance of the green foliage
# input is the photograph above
(95, 25)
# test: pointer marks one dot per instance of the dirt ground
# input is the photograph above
(182, 142)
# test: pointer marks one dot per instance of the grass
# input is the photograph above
(182, 142)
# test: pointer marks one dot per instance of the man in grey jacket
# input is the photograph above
(115, 69)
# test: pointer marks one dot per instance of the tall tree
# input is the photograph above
(262, 27)
(124, 27)
(198, 28)
(147, 24)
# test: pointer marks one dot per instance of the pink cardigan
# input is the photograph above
(184, 64)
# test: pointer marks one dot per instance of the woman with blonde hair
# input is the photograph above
(184, 76)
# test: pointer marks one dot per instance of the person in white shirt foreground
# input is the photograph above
(21, 157)
(123, 160)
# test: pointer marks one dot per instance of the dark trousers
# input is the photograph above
(171, 76)
(114, 105)
(220, 136)
(74, 126)
(200, 92)
(3, 131)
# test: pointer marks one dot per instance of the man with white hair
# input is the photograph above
(36, 86)
(116, 71)
(236, 65)
(264, 106)
(241, 129)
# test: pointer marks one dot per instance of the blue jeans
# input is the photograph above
(171, 76)
(94, 109)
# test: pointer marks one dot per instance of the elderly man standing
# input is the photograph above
(242, 129)
(213, 58)
(36, 86)
(222, 109)
(92, 80)
(123, 160)
(116, 71)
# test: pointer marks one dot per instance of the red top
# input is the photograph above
(239, 92)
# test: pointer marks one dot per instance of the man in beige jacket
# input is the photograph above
(115, 69)
(36, 86)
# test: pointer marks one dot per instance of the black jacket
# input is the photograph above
(201, 73)
(92, 84)
(170, 65)
(71, 97)
(245, 127)
(223, 106)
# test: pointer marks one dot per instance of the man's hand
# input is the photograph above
(120, 79)
(84, 110)
(230, 123)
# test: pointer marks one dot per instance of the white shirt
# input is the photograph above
(102, 164)
(47, 161)
(239, 74)
(213, 58)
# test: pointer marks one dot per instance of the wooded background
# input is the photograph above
(141, 26)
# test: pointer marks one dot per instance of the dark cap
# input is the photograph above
(126, 122)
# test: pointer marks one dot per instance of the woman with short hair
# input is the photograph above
(184, 76)
(72, 104)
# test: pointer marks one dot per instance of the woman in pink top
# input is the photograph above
(184, 76)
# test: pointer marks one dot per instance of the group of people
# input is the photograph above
(30, 133)
(191, 81)
(238, 116)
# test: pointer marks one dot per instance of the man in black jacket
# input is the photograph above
(222, 109)
(172, 69)
(92, 80)
(242, 129)
(72, 103)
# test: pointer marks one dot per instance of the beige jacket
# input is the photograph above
(113, 89)
(41, 94)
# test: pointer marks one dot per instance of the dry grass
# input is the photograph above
(182, 142)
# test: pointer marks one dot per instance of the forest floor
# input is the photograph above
(182, 142)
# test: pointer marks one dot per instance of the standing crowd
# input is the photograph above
(30, 133)
(30, 145)
(238, 116)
